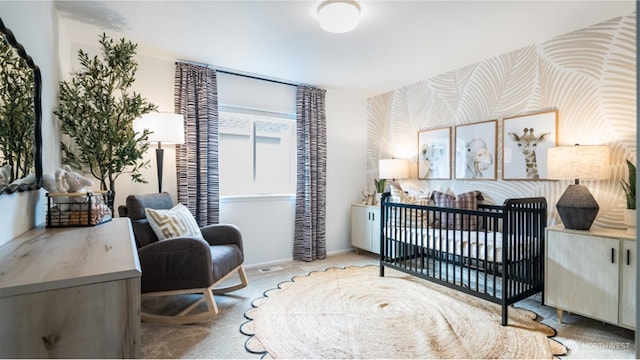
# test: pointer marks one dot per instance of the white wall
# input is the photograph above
(35, 26)
(346, 168)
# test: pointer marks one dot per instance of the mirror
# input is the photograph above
(20, 117)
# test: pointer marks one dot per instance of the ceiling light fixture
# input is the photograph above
(338, 16)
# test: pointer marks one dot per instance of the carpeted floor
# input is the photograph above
(221, 338)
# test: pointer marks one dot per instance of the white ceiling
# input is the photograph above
(396, 43)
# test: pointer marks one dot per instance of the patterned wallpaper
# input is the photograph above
(588, 76)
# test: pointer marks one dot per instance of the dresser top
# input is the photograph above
(596, 231)
(47, 258)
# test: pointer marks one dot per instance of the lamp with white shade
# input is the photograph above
(165, 128)
(577, 207)
(393, 169)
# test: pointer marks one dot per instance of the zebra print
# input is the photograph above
(310, 229)
(196, 97)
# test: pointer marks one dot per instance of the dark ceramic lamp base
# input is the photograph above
(577, 207)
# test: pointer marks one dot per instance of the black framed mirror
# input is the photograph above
(20, 117)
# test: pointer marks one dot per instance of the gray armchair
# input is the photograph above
(185, 265)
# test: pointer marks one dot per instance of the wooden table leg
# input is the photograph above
(559, 312)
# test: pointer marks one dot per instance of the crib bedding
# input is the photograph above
(480, 245)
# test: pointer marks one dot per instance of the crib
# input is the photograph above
(495, 252)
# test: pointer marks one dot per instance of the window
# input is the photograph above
(257, 154)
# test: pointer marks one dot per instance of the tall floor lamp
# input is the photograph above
(577, 207)
(165, 128)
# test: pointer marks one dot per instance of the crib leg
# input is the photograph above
(381, 271)
(505, 314)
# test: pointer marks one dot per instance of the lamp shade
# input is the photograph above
(165, 127)
(393, 169)
(578, 162)
(338, 16)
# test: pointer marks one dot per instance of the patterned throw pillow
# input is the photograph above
(467, 201)
(410, 217)
(176, 222)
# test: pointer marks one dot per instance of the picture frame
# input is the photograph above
(525, 142)
(476, 145)
(434, 154)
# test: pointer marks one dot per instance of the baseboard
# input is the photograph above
(268, 264)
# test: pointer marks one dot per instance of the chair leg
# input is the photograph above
(243, 281)
(184, 316)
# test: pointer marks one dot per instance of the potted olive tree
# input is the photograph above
(96, 110)
(630, 193)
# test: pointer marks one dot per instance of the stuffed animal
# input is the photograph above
(5, 175)
(29, 179)
(74, 182)
(65, 180)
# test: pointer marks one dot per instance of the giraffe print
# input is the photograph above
(527, 144)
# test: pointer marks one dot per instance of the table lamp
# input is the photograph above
(393, 169)
(577, 207)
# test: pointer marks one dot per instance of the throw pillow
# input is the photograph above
(410, 217)
(466, 201)
(175, 222)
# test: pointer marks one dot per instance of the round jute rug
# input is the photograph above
(354, 313)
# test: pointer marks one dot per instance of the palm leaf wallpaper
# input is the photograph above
(588, 76)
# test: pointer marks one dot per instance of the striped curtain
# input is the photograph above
(196, 97)
(310, 234)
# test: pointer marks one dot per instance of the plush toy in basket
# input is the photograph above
(70, 203)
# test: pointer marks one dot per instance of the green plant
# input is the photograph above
(17, 113)
(96, 112)
(380, 185)
(630, 187)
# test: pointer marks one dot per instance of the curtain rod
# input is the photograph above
(230, 72)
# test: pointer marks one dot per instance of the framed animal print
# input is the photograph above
(434, 154)
(525, 142)
(476, 151)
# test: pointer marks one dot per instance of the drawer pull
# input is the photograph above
(613, 254)
(628, 257)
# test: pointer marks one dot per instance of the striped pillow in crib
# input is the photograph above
(466, 201)
(410, 217)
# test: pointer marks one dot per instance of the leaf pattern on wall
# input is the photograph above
(617, 93)
(377, 113)
(587, 75)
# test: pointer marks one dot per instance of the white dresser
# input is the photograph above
(365, 227)
(592, 273)
(71, 293)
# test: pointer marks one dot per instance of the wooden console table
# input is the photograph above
(71, 293)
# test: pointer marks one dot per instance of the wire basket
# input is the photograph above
(78, 209)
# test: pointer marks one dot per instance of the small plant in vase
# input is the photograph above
(630, 192)
(380, 185)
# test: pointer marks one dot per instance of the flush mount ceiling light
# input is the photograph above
(338, 16)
